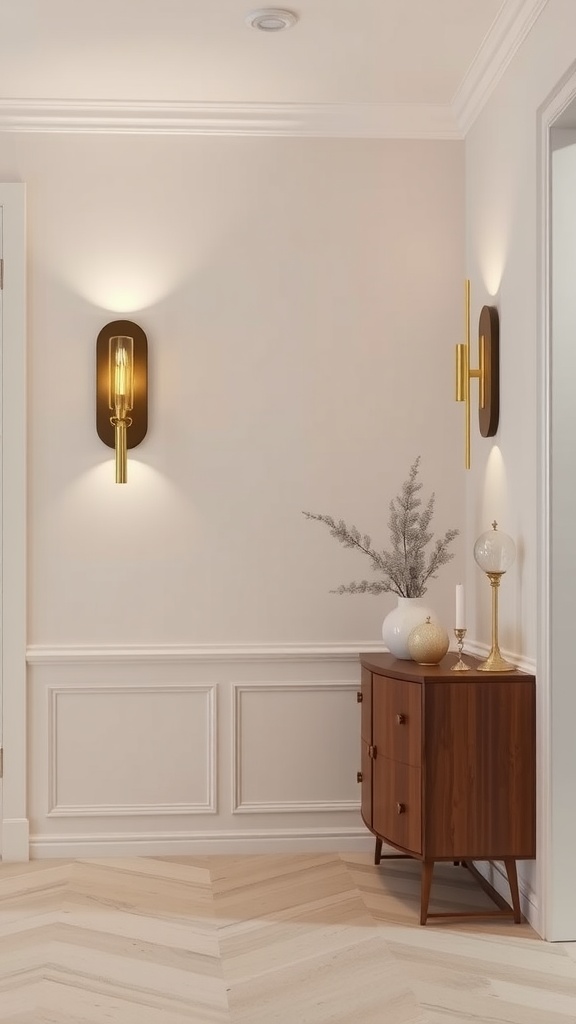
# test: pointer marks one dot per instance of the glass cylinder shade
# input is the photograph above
(121, 375)
(494, 551)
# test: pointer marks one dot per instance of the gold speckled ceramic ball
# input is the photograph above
(428, 643)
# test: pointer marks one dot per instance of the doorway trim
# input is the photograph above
(15, 830)
(557, 101)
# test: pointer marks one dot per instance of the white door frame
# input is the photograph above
(13, 529)
(548, 113)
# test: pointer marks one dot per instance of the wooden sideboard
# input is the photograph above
(448, 765)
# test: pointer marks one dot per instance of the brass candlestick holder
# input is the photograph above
(460, 666)
(495, 552)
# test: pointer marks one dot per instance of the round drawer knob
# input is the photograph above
(359, 697)
(400, 719)
(358, 776)
(400, 808)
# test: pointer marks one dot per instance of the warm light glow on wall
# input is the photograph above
(492, 269)
(495, 491)
(125, 517)
(493, 228)
(124, 286)
(97, 481)
(127, 297)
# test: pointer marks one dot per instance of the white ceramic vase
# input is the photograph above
(399, 623)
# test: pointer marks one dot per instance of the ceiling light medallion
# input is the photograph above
(270, 19)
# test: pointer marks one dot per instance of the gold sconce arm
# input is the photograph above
(487, 372)
(461, 372)
(121, 451)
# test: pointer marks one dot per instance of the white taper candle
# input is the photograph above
(460, 613)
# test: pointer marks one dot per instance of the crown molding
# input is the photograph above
(316, 120)
(321, 120)
(503, 40)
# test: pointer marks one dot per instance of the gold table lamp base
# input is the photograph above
(495, 662)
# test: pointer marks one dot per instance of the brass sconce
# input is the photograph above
(488, 372)
(121, 389)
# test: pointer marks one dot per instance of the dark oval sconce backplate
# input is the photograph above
(136, 432)
(489, 335)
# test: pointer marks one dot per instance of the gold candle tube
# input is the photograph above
(121, 451)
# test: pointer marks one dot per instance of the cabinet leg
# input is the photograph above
(510, 864)
(378, 851)
(427, 869)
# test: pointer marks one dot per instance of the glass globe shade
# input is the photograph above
(494, 551)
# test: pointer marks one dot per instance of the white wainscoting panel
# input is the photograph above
(288, 755)
(181, 750)
(131, 750)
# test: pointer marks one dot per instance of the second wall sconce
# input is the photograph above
(121, 389)
(488, 373)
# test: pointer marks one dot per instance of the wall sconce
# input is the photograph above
(488, 372)
(121, 389)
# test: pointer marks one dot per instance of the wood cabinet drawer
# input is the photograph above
(397, 719)
(397, 803)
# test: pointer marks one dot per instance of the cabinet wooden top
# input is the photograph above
(387, 665)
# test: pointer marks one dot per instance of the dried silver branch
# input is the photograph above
(407, 567)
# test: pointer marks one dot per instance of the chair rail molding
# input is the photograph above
(55, 654)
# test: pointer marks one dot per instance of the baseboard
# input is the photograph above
(180, 844)
(15, 839)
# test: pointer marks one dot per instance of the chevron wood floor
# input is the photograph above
(308, 939)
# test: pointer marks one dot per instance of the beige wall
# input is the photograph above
(504, 248)
(301, 299)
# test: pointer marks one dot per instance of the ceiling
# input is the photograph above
(407, 54)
